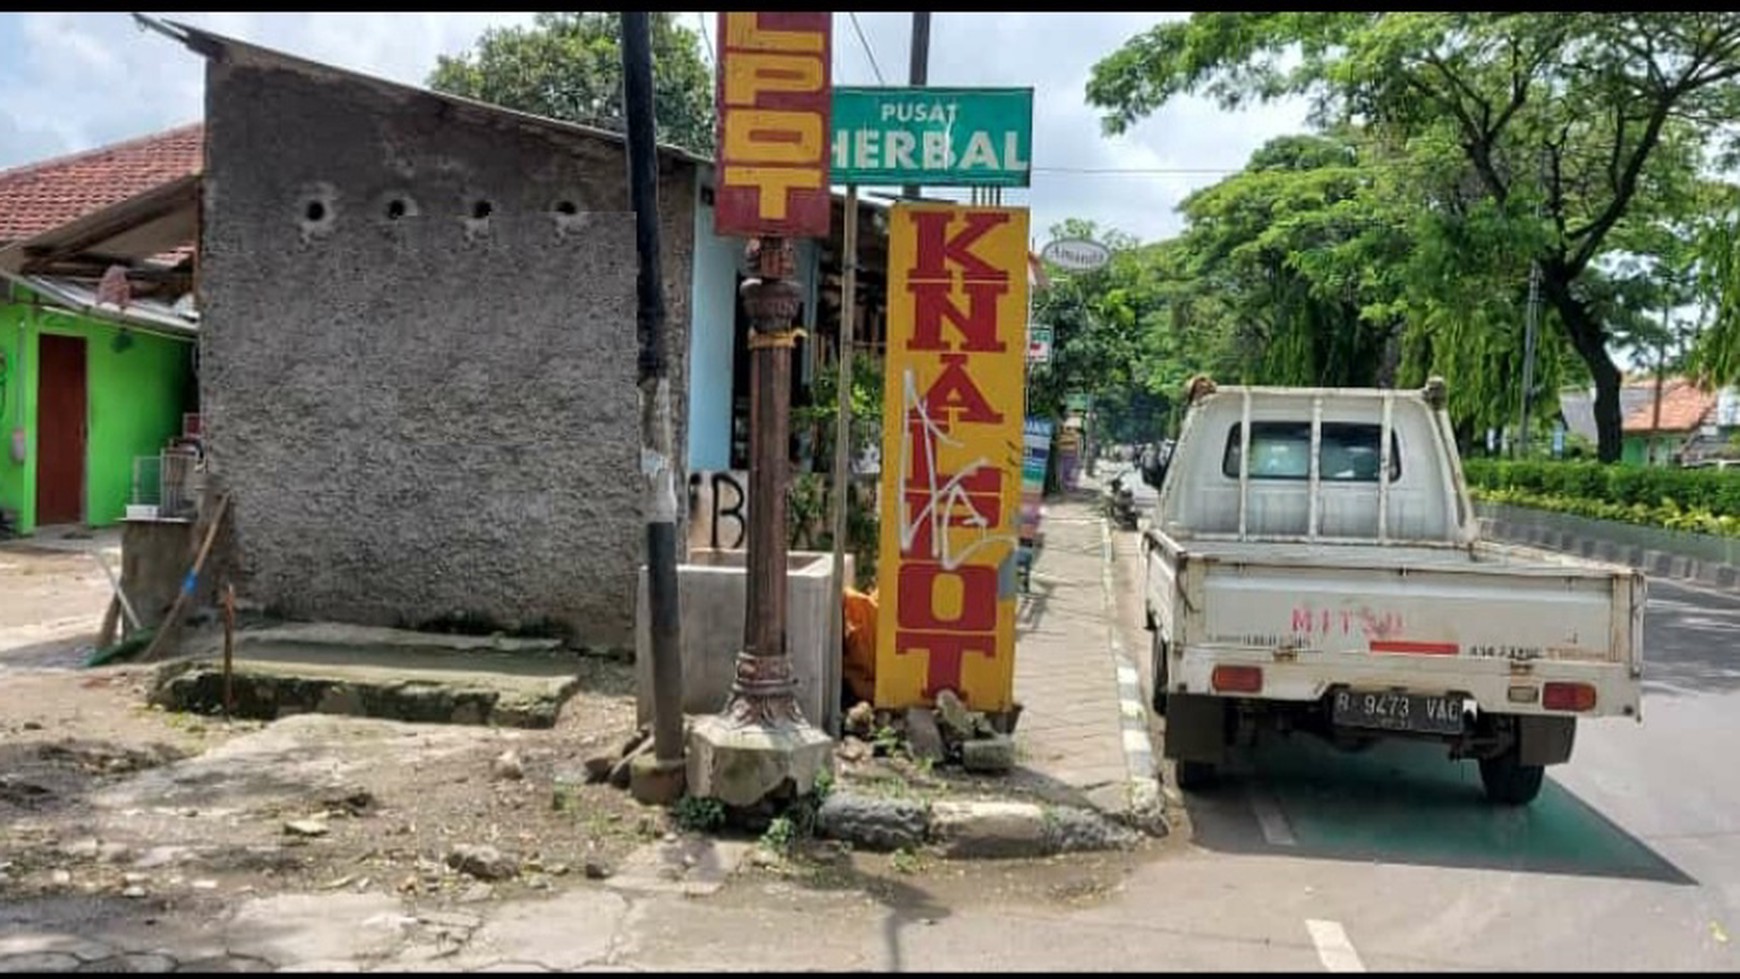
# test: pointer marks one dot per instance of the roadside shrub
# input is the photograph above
(1650, 498)
(1712, 492)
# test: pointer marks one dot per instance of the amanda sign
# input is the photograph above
(951, 456)
(774, 96)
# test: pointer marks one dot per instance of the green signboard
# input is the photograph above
(1078, 402)
(937, 137)
(1039, 345)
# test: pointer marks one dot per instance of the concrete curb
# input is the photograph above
(1145, 805)
(970, 829)
(1656, 564)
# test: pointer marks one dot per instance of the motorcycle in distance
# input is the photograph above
(1121, 503)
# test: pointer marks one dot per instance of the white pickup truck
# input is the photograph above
(1314, 564)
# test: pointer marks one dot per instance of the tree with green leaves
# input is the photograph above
(569, 66)
(1565, 128)
(1093, 332)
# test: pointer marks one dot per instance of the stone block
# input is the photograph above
(740, 765)
(993, 755)
(873, 823)
(923, 738)
(654, 782)
(990, 829)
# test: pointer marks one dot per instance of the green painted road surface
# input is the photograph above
(1407, 803)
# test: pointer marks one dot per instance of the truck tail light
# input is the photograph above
(1568, 696)
(1238, 679)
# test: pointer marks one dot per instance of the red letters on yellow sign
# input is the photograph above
(774, 97)
(951, 458)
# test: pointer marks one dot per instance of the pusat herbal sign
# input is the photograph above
(939, 137)
(1076, 254)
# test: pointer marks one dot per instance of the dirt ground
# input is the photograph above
(103, 795)
(52, 601)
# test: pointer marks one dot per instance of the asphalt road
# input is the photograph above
(1391, 858)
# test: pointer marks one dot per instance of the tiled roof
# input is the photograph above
(1683, 408)
(40, 196)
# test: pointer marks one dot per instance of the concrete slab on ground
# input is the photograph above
(386, 673)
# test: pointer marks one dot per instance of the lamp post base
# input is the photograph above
(741, 764)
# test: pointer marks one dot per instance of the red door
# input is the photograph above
(60, 431)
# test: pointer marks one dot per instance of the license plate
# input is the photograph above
(1398, 711)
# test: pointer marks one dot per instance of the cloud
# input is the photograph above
(83, 80)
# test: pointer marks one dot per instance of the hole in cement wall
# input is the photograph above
(567, 208)
(395, 209)
(481, 210)
(317, 211)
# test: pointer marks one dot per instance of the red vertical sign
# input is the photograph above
(774, 93)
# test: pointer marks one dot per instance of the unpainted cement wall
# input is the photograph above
(418, 356)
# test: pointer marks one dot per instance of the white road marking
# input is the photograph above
(1270, 817)
(1333, 949)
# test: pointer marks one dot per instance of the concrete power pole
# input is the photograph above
(919, 70)
(1528, 372)
(661, 780)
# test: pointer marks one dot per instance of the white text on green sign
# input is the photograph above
(938, 137)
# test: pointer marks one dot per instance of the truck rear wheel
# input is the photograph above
(1157, 662)
(1508, 781)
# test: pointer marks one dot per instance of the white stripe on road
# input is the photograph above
(1333, 948)
(1269, 816)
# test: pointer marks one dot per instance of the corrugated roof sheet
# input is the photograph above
(148, 314)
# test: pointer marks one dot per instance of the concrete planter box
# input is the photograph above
(712, 590)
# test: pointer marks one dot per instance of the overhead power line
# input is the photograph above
(1159, 171)
(859, 30)
(705, 36)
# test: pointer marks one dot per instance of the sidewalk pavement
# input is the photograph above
(1083, 723)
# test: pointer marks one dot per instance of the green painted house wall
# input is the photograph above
(135, 397)
(1636, 449)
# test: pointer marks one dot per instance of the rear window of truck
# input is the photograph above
(1282, 450)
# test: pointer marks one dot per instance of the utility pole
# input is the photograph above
(661, 778)
(918, 71)
(1528, 376)
(843, 418)
(1531, 327)
(1660, 378)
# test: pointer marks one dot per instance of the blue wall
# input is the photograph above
(714, 309)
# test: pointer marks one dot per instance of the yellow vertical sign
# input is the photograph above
(951, 455)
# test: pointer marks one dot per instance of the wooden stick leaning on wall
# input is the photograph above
(190, 584)
(111, 622)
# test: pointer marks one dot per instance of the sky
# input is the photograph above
(76, 81)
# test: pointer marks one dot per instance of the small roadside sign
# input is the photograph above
(1076, 254)
(936, 137)
(1039, 345)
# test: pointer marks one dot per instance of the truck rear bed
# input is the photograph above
(1485, 620)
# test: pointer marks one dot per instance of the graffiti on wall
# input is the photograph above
(719, 509)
